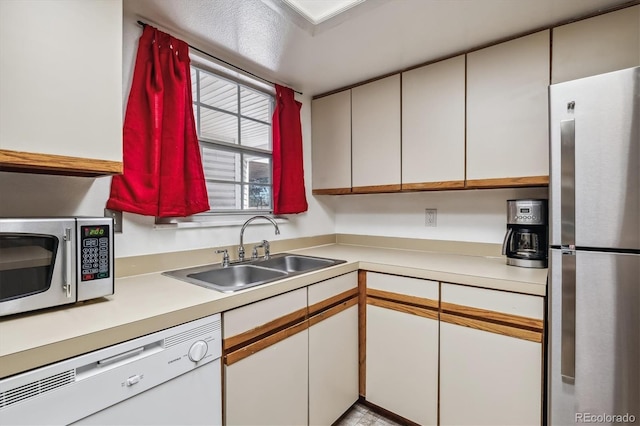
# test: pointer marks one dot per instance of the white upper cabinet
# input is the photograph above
(61, 84)
(507, 113)
(597, 45)
(433, 115)
(331, 147)
(376, 135)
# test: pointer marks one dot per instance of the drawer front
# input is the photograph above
(332, 287)
(510, 314)
(494, 300)
(403, 285)
(254, 315)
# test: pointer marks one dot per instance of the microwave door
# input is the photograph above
(37, 264)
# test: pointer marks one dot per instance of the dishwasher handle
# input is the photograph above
(120, 357)
(115, 361)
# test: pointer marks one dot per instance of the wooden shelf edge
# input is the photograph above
(513, 182)
(376, 189)
(28, 162)
(331, 191)
(433, 186)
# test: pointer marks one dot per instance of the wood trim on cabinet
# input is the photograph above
(376, 189)
(433, 186)
(401, 307)
(512, 182)
(362, 332)
(334, 310)
(492, 316)
(331, 191)
(326, 304)
(505, 330)
(405, 299)
(18, 161)
(259, 345)
(248, 337)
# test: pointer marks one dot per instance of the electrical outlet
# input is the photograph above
(117, 219)
(430, 217)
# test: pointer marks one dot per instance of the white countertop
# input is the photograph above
(147, 303)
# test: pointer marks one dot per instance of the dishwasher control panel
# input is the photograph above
(107, 377)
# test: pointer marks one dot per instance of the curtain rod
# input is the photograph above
(144, 24)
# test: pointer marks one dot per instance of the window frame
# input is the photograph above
(228, 216)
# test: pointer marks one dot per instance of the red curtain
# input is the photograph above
(288, 171)
(162, 168)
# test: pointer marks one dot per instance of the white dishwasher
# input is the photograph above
(172, 377)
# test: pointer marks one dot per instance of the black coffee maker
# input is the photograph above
(526, 241)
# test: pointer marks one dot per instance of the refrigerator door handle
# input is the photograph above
(568, 179)
(568, 338)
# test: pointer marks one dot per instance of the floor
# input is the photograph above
(359, 415)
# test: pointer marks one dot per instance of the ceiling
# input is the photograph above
(374, 38)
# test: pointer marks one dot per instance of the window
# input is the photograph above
(233, 122)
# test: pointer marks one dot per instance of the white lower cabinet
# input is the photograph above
(266, 362)
(490, 357)
(293, 359)
(270, 386)
(402, 349)
(488, 378)
(333, 349)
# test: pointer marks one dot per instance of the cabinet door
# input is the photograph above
(433, 127)
(331, 143)
(333, 366)
(507, 113)
(266, 366)
(270, 386)
(376, 135)
(333, 349)
(61, 80)
(402, 348)
(596, 45)
(490, 371)
(488, 378)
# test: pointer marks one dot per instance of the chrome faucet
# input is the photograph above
(251, 219)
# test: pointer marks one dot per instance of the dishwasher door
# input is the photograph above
(172, 377)
(190, 399)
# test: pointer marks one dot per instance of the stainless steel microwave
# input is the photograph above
(46, 262)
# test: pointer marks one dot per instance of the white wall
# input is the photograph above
(474, 215)
(42, 195)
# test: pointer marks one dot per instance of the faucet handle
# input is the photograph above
(254, 252)
(265, 245)
(267, 248)
(225, 257)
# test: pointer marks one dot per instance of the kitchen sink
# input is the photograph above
(237, 276)
(294, 263)
(252, 273)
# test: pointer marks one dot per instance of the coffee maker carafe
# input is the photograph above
(526, 241)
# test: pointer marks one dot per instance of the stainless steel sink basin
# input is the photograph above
(240, 276)
(295, 263)
(236, 276)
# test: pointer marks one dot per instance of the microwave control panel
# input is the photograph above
(95, 246)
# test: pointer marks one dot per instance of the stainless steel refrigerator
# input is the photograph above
(594, 288)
